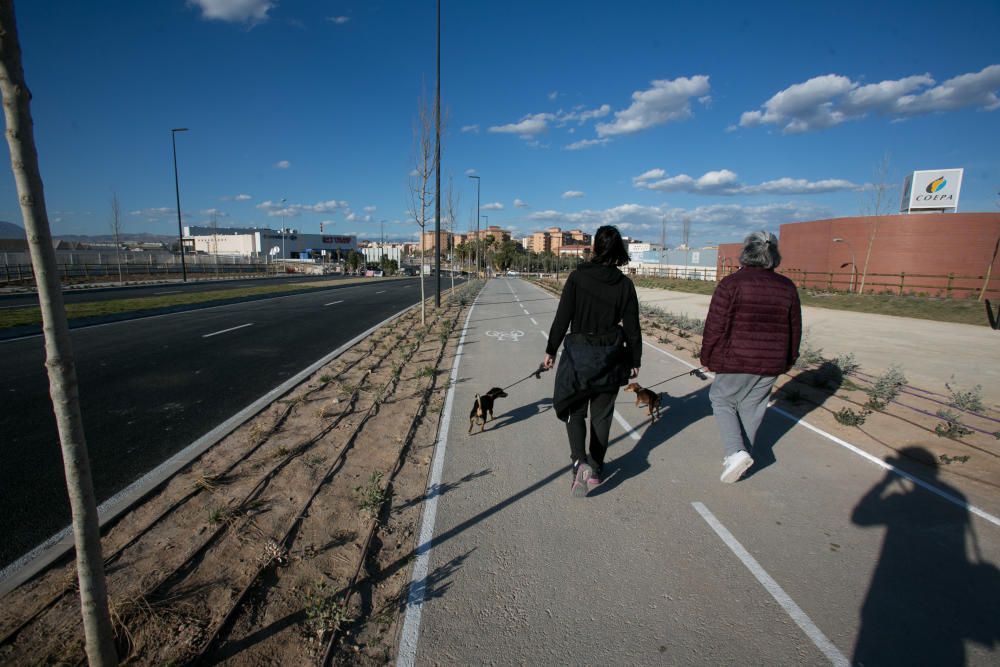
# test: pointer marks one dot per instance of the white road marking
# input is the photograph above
(333, 303)
(533, 321)
(380, 291)
(216, 333)
(888, 466)
(832, 653)
(418, 579)
(525, 310)
(179, 291)
(628, 427)
(860, 452)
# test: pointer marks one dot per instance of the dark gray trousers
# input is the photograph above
(602, 408)
(739, 398)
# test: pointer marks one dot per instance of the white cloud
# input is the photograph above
(585, 143)
(829, 100)
(277, 209)
(520, 204)
(242, 197)
(572, 194)
(725, 182)
(282, 164)
(528, 126)
(471, 128)
(339, 20)
(495, 206)
(234, 11)
(154, 212)
(553, 95)
(470, 172)
(665, 101)
(324, 206)
(370, 209)
(214, 211)
(720, 223)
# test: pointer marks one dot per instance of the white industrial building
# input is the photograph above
(693, 263)
(265, 242)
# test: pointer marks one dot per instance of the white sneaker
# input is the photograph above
(734, 465)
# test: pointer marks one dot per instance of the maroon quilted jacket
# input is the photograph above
(754, 324)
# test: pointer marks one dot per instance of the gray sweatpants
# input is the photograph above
(739, 398)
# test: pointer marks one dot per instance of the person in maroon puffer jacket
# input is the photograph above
(751, 336)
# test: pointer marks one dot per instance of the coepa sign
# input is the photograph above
(931, 190)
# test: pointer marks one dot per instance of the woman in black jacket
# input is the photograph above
(602, 351)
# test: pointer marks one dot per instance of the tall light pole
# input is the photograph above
(854, 264)
(485, 264)
(177, 191)
(437, 165)
(477, 222)
(283, 234)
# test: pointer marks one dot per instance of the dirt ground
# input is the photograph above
(289, 542)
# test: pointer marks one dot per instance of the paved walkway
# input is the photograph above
(820, 556)
(930, 353)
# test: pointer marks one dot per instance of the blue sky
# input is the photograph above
(734, 115)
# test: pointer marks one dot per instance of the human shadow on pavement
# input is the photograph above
(807, 392)
(927, 598)
(520, 413)
(676, 414)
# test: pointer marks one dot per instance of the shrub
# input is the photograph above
(970, 400)
(951, 425)
(886, 388)
(846, 363)
(849, 417)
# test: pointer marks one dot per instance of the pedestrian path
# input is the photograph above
(819, 556)
(931, 353)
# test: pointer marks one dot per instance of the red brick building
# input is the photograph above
(939, 254)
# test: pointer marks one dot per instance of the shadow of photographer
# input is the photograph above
(927, 598)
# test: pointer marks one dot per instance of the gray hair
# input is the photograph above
(760, 249)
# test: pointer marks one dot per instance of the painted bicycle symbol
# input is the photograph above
(506, 335)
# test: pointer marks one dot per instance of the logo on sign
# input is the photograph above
(936, 185)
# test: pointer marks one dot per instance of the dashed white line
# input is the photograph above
(333, 303)
(533, 321)
(780, 596)
(381, 291)
(632, 433)
(216, 333)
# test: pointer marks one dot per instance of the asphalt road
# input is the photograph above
(151, 386)
(819, 556)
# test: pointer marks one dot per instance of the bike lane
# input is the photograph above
(663, 564)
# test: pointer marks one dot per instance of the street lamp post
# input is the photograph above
(477, 222)
(177, 191)
(283, 234)
(485, 263)
(854, 264)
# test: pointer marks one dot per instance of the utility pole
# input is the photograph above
(663, 243)
(478, 210)
(177, 191)
(437, 165)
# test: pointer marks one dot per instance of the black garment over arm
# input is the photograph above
(564, 316)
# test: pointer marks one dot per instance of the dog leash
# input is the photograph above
(537, 374)
(698, 373)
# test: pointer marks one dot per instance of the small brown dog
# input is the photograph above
(646, 397)
(482, 409)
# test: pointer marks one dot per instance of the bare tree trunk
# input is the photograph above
(59, 354)
(419, 184)
(877, 207)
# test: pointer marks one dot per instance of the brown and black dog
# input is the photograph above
(482, 409)
(646, 397)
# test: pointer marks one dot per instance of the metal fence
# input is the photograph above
(104, 267)
(950, 285)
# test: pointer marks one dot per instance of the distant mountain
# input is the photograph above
(8, 230)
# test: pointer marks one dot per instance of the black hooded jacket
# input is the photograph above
(600, 308)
